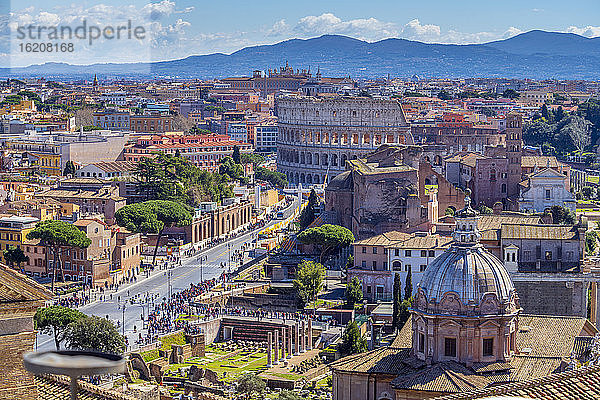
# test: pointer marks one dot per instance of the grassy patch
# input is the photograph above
(168, 341)
(150, 355)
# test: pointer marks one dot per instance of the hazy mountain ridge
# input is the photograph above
(535, 54)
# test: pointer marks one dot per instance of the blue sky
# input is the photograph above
(178, 28)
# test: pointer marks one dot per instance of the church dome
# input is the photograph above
(468, 271)
(466, 279)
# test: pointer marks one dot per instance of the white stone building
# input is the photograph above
(546, 188)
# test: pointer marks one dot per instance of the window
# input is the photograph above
(364, 264)
(450, 347)
(431, 253)
(548, 255)
(407, 267)
(548, 194)
(397, 252)
(374, 250)
(374, 264)
(364, 250)
(423, 253)
(368, 289)
(421, 343)
(488, 347)
(406, 253)
(422, 267)
(385, 264)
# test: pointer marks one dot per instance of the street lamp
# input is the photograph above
(229, 256)
(123, 319)
(168, 274)
(202, 260)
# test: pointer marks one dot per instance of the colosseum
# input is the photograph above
(318, 134)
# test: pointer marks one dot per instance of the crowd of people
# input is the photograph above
(164, 318)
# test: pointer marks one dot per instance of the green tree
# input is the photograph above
(444, 95)
(288, 395)
(308, 213)
(69, 168)
(165, 177)
(328, 237)
(309, 280)
(252, 158)
(559, 115)
(510, 94)
(236, 154)
(405, 311)
(54, 320)
(277, 179)
(354, 293)
(561, 215)
(588, 192)
(397, 292)
(538, 132)
(352, 340)
(546, 113)
(591, 242)
(56, 235)
(449, 211)
(95, 334)
(575, 133)
(14, 256)
(349, 262)
(153, 217)
(250, 383)
(408, 286)
(230, 168)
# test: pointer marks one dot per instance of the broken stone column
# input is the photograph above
(282, 345)
(289, 343)
(310, 338)
(269, 349)
(276, 358)
(302, 337)
(297, 339)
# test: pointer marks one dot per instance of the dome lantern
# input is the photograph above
(466, 231)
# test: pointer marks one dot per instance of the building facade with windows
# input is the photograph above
(379, 258)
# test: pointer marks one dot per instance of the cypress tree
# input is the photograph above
(408, 288)
(397, 291)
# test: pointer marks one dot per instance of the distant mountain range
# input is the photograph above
(535, 54)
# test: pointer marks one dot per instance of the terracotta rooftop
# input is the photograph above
(384, 239)
(539, 232)
(52, 387)
(545, 342)
(580, 384)
(116, 166)
(16, 287)
(540, 162)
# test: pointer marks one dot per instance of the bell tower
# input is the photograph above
(514, 152)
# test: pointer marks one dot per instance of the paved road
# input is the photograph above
(158, 285)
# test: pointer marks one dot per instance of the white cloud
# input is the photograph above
(156, 11)
(279, 28)
(512, 31)
(587, 31)
(416, 31)
(328, 23)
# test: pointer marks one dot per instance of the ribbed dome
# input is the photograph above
(470, 272)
